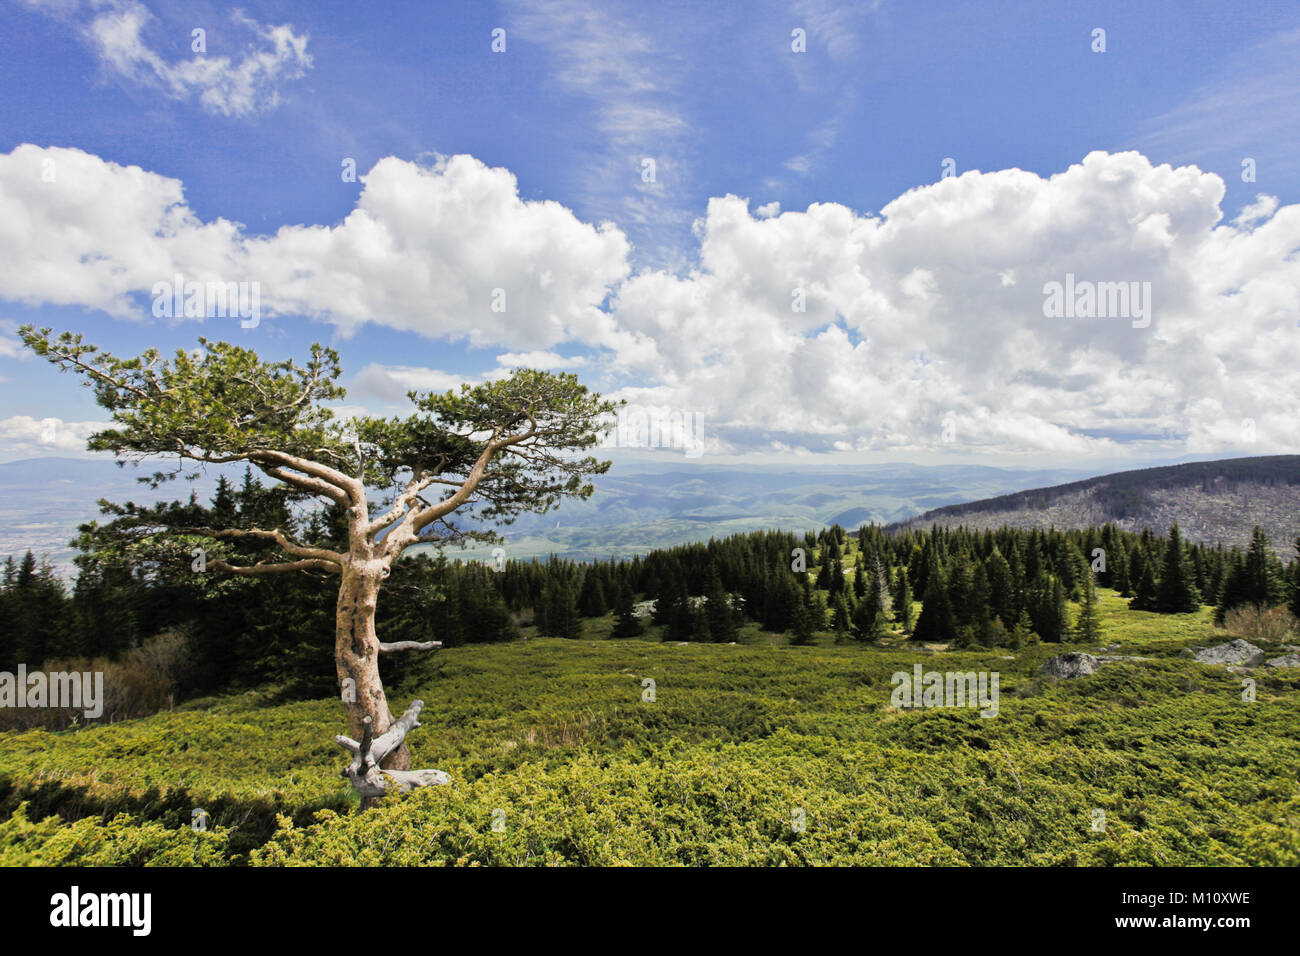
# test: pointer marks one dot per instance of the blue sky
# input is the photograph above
(891, 361)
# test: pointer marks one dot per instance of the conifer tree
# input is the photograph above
(681, 619)
(626, 623)
(1293, 598)
(804, 617)
(936, 621)
(1087, 628)
(841, 618)
(1261, 583)
(1047, 609)
(717, 610)
(561, 617)
(591, 600)
(903, 602)
(1176, 593)
(1022, 633)
(1145, 594)
(494, 450)
(665, 596)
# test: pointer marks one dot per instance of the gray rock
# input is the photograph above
(1074, 664)
(1286, 660)
(1238, 652)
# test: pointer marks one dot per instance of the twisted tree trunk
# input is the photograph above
(356, 655)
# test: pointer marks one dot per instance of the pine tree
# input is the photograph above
(837, 577)
(1138, 564)
(1118, 564)
(961, 590)
(869, 622)
(801, 625)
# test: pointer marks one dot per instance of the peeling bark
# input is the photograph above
(369, 778)
(356, 653)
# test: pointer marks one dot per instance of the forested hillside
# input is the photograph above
(1214, 502)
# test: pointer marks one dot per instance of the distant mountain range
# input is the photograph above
(639, 506)
(1212, 501)
(43, 500)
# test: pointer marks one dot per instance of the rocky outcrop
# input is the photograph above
(1236, 653)
(1073, 664)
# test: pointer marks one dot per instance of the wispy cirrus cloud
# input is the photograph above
(1248, 109)
(239, 86)
(633, 84)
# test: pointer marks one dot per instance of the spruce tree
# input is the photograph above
(561, 618)
(681, 619)
(804, 616)
(903, 602)
(717, 610)
(1293, 598)
(936, 621)
(1046, 606)
(665, 595)
(626, 623)
(841, 618)
(869, 621)
(1261, 584)
(1002, 598)
(591, 600)
(1176, 593)
(1087, 628)
(1146, 594)
(1022, 633)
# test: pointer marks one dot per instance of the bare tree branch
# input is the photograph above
(394, 646)
(254, 570)
(279, 537)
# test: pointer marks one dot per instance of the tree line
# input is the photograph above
(999, 588)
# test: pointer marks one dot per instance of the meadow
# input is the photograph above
(752, 753)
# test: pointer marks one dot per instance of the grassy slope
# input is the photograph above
(554, 734)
